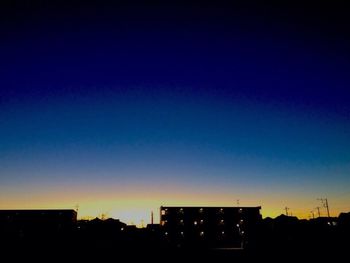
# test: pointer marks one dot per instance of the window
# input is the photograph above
(195, 223)
(201, 221)
(201, 233)
(201, 210)
(163, 212)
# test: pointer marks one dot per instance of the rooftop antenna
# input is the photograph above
(286, 208)
(313, 214)
(151, 217)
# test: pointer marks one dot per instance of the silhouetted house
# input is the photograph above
(153, 227)
(36, 223)
(233, 227)
(109, 225)
(329, 221)
(344, 230)
(100, 231)
(153, 235)
(344, 220)
(286, 230)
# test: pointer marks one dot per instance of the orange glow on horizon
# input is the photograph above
(133, 204)
(136, 208)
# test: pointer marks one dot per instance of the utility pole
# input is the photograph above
(237, 202)
(324, 202)
(286, 208)
(318, 211)
(151, 217)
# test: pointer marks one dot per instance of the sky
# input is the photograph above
(119, 109)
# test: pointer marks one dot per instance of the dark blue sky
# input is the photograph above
(244, 100)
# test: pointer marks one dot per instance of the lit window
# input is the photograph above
(164, 222)
(181, 233)
(163, 212)
(201, 210)
(181, 222)
(122, 229)
(240, 210)
(195, 223)
(222, 222)
(223, 233)
(201, 234)
(166, 233)
(237, 225)
(202, 221)
(181, 210)
(241, 221)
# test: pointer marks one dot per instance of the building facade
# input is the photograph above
(216, 227)
(35, 223)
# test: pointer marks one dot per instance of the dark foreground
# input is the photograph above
(92, 251)
(282, 239)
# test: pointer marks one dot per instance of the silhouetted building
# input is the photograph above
(36, 223)
(219, 227)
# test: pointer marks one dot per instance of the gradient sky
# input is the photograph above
(122, 109)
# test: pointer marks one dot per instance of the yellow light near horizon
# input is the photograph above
(135, 206)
